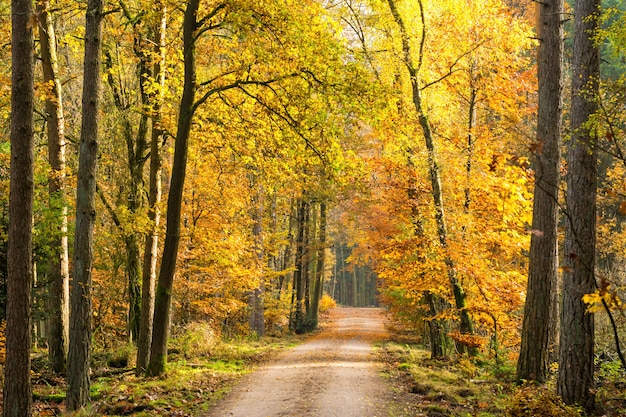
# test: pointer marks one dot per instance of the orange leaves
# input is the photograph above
(468, 340)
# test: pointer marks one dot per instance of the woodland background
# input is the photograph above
(357, 149)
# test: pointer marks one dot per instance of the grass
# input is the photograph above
(201, 369)
(431, 387)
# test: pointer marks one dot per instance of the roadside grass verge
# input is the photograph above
(201, 369)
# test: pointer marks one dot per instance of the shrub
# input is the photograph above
(538, 401)
(326, 303)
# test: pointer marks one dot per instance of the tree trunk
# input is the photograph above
(466, 325)
(539, 326)
(575, 382)
(158, 349)
(297, 319)
(154, 198)
(17, 388)
(58, 266)
(257, 315)
(318, 282)
(80, 314)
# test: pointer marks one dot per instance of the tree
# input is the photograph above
(80, 312)
(466, 325)
(163, 296)
(154, 195)
(576, 362)
(17, 388)
(539, 325)
(58, 268)
(318, 279)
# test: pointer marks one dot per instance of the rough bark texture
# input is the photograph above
(80, 312)
(154, 197)
(575, 382)
(17, 389)
(158, 350)
(58, 266)
(539, 326)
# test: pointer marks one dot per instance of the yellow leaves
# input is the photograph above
(604, 295)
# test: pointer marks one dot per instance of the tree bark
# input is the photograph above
(58, 266)
(575, 382)
(297, 319)
(154, 198)
(318, 282)
(17, 388)
(540, 315)
(80, 314)
(257, 314)
(163, 296)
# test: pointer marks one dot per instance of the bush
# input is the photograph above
(326, 303)
(538, 401)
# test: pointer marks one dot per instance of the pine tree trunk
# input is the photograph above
(17, 389)
(58, 266)
(575, 382)
(80, 313)
(539, 325)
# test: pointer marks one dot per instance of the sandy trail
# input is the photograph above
(333, 374)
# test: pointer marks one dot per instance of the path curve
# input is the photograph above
(333, 374)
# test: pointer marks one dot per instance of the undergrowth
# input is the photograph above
(485, 387)
(201, 368)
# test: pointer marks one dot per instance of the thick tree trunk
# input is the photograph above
(466, 325)
(158, 350)
(58, 266)
(152, 239)
(17, 389)
(539, 326)
(80, 314)
(575, 382)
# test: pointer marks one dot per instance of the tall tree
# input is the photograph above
(80, 311)
(58, 267)
(539, 326)
(413, 68)
(575, 381)
(17, 389)
(163, 296)
(318, 278)
(154, 195)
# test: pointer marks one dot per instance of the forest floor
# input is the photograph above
(356, 364)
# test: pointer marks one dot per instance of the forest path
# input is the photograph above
(335, 373)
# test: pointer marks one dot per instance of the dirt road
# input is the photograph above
(335, 373)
